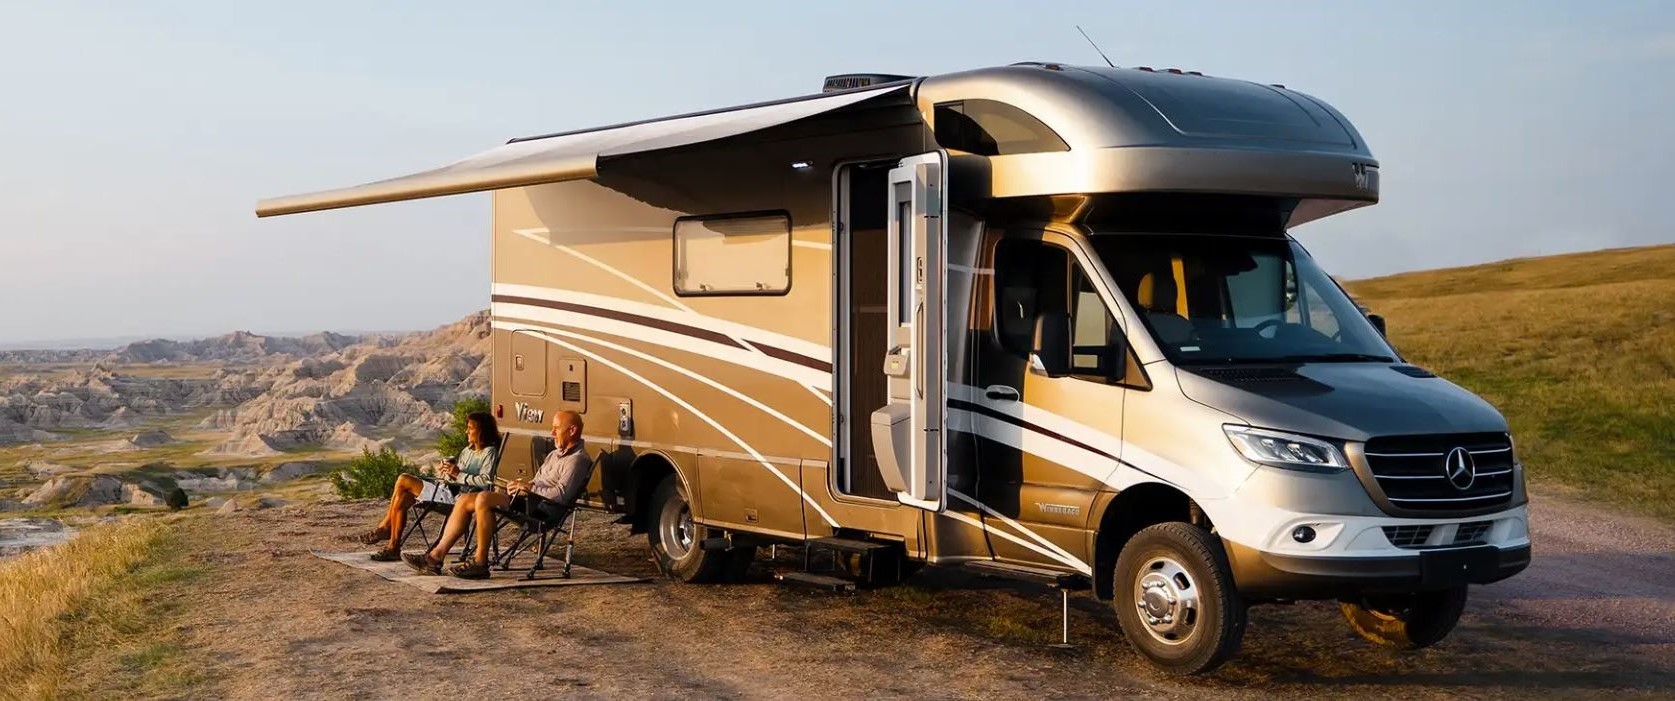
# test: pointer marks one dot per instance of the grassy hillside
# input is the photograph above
(1577, 350)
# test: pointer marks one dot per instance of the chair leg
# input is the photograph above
(543, 541)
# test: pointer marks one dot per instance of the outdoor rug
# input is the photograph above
(513, 579)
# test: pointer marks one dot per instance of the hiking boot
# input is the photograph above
(385, 555)
(423, 563)
(470, 570)
(374, 536)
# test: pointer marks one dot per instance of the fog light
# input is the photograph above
(1303, 534)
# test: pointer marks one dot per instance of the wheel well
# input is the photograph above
(1132, 511)
(647, 471)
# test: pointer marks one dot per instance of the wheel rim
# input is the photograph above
(675, 527)
(1166, 598)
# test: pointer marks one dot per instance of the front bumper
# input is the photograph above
(1284, 576)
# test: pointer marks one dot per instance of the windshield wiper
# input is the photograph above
(1333, 358)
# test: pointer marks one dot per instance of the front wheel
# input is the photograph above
(675, 538)
(1406, 621)
(1175, 599)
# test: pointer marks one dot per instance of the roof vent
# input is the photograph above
(852, 81)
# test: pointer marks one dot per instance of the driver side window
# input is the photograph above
(1033, 278)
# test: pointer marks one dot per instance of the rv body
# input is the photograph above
(1019, 315)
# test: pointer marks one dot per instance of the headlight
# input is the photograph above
(1286, 450)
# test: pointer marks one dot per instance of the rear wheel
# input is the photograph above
(1175, 599)
(674, 537)
(1406, 621)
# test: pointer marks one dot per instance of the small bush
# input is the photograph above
(453, 440)
(370, 475)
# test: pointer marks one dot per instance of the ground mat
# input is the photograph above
(551, 576)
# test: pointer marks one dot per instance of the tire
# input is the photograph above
(674, 538)
(1406, 621)
(1175, 599)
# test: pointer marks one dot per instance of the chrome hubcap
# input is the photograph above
(675, 527)
(1167, 600)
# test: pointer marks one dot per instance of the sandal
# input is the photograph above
(385, 555)
(423, 563)
(470, 570)
(374, 536)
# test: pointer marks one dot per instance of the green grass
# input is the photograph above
(1578, 351)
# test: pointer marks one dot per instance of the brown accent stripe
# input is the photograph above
(788, 356)
(672, 327)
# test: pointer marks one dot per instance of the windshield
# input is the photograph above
(1238, 299)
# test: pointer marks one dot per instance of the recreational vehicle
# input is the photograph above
(1038, 320)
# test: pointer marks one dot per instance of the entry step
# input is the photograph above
(818, 581)
(849, 545)
(1072, 581)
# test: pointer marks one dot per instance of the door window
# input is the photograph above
(1034, 278)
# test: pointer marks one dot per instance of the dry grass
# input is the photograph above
(82, 619)
(1578, 351)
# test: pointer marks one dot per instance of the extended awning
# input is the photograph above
(572, 156)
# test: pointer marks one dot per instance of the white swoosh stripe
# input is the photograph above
(786, 369)
(1136, 463)
(671, 396)
(962, 518)
(811, 433)
(1064, 555)
(671, 301)
(685, 318)
(1095, 466)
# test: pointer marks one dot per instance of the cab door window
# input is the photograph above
(1034, 278)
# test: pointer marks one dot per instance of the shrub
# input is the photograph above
(370, 475)
(452, 440)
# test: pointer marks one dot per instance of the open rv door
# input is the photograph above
(908, 431)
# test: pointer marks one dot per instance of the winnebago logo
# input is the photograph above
(527, 413)
(1061, 509)
(1363, 181)
(1460, 468)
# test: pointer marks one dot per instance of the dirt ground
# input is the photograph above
(1594, 614)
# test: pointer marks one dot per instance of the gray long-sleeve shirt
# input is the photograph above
(564, 474)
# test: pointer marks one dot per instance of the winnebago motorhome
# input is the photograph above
(1039, 320)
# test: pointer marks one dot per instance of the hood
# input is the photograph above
(1352, 401)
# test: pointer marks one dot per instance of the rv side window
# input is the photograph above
(990, 128)
(733, 255)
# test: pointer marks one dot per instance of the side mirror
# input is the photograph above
(1051, 355)
(1116, 356)
(1378, 323)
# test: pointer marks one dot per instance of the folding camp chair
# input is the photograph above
(538, 528)
(423, 508)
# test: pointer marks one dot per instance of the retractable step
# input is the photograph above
(817, 581)
(869, 562)
(851, 545)
(1068, 581)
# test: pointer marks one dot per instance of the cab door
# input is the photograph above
(1049, 402)
(908, 435)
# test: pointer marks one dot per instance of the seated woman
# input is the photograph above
(471, 471)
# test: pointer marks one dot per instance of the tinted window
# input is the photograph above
(989, 128)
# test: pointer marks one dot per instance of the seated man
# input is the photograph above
(557, 484)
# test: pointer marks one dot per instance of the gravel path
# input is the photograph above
(1594, 614)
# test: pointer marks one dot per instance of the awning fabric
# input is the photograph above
(567, 156)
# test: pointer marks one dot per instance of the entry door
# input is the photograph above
(908, 432)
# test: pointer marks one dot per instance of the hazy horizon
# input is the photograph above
(138, 139)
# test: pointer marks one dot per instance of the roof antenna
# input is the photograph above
(1095, 47)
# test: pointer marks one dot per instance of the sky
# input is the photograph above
(135, 138)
